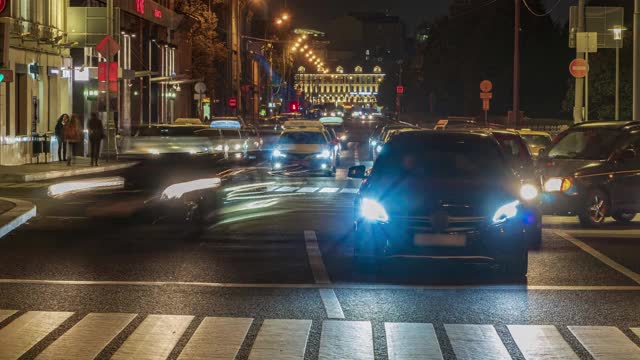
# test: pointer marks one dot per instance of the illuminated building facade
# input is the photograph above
(340, 87)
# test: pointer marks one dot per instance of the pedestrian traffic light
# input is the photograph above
(6, 76)
(294, 106)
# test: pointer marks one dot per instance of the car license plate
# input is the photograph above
(452, 240)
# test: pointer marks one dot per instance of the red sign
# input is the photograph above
(232, 102)
(486, 86)
(108, 47)
(579, 68)
(486, 96)
(399, 89)
(294, 106)
(140, 6)
(3, 4)
(157, 13)
(102, 71)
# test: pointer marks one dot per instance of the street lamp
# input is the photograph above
(617, 36)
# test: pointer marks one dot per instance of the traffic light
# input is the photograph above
(294, 106)
(6, 76)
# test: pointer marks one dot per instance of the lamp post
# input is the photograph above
(617, 36)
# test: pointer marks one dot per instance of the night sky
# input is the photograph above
(315, 13)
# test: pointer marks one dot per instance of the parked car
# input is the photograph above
(592, 170)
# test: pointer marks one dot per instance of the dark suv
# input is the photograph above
(438, 194)
(592, 170)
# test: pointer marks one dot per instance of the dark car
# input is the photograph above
(437, 194)
(592, 170)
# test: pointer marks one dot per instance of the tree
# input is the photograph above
(209, 53)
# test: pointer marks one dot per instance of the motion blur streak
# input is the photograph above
(254, 205)
(250, 217)
(249, 186)
(258, 197)
(176, 191)
(72, 187)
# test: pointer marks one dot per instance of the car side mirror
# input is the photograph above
(624, 155)
(357, 172)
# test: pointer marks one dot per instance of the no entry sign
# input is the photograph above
(579, 68)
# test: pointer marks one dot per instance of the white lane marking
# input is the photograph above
(154, 338)
(349, 191)
(321, 286)
(602, 257)
(287, 189)
(636, 331)
(606, 342)
(22, 333)
(281, 339)
(346, 340)
(308, 190)
(541, 342)
(272, 188)
(356, 155)
(217, 338)
(331, 304)
(5, 314)
(476, 342)
(88, 338)
(315, 258)
(412, 341)
(329, 190)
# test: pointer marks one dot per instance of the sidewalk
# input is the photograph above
(14, 213)
(53, 170)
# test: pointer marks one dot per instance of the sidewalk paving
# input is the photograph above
(14, 213)
(53, 170)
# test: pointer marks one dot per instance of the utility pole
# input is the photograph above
(235, 51)
(579, 90)
(636, 61)
(516, 64)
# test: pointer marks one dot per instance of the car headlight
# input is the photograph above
(278, 153)
(324, 155)
(374, 143)
(528, 192)
(555, 184)
(343, 137)
(370, 117)
(237, 146)
(506, 212)
(373, 210)
(379, 148)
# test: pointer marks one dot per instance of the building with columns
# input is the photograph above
(342, 86)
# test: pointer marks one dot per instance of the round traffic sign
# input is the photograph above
(579, 68)
(200, 87)
(486, 86)
(3, 4)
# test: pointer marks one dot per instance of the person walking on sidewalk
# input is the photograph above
(72, 135)
(96, 134)
(62, 145)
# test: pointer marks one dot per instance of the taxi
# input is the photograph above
(536, 140)
(442, 195)
(304, 143)
(337, 124)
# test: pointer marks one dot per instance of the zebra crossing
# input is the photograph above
(25, 185)
(68, 336)
(319, 190)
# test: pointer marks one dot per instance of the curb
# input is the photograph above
(56, 174)
(20, 214)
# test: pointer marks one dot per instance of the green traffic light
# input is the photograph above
(1, 77)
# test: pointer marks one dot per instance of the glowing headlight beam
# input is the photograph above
(373, 210)
(73, 187)
(528, 192)
(176, 191)
(506, 212)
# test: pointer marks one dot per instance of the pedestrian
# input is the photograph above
(96, 134)
(62, 145)
(73, 136)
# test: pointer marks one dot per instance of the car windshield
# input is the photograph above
(513, 146)
(302, 138)
(585, 144)
(537, 140)
(442, 158)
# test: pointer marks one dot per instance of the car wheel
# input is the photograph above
(595, 209)
(517, 265)
(623, 216)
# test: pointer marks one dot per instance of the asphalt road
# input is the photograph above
(282, 259)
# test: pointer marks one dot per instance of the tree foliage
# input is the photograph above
(208, 51)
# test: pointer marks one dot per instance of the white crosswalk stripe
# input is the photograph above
(27, 330)
(329, 190)
(476, 342)
(543, 342)
(88, 337)
(606, 342)
(346, 340)
(223, 338)
(154, 338)
(349, 191)
(308, 190)
(281, 339)
(4, 314)
(217, 338)
(412, 341)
